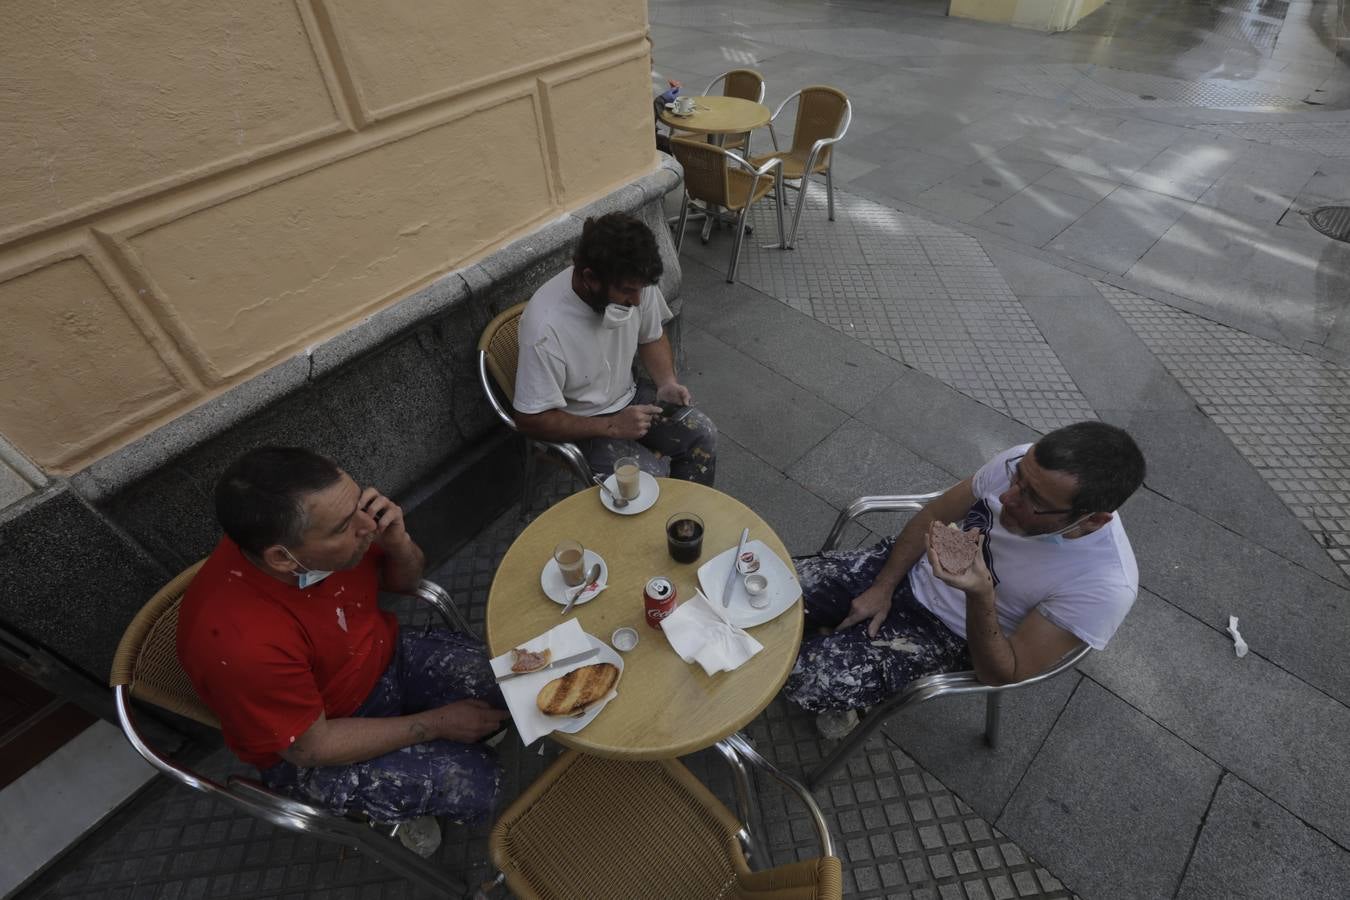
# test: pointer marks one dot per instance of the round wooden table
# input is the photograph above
(720, 115)
(666, 707)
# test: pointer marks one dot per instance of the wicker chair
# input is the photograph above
(720, 178)
(610, 830)
(498, 350)
(932, 686)
(823, 117)
(146, 667)
(747, 84)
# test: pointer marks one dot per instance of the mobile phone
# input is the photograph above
(674, 411)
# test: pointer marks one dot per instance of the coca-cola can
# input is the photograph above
(659, 599)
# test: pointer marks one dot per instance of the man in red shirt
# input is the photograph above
(282, 635)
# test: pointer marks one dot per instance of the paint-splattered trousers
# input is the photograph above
(685, 449)
(438, 778)
(848, 669)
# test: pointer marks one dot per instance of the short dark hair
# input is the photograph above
(1105, 459)
(260, 498)
(618, 248)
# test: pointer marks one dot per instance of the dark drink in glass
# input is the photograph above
(684, 537)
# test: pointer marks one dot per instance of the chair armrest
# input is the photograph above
(738, 742)
(485, 378)
(879, 503)
(439, 599)
(951, 683)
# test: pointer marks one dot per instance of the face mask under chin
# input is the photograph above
(617, 315)
(307, 577)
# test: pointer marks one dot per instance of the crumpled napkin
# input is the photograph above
(1239, 645)
(698, 633)
(520, 692)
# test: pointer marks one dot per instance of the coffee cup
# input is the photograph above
(684, 105)
(627, 477)
(571, 559)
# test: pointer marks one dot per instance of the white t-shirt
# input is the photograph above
(570, 360)
(1085, 585)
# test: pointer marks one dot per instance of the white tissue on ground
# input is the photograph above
(1239, 645)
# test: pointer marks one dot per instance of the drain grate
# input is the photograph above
(1333, 221)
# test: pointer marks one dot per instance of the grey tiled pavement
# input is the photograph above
(1031, 230)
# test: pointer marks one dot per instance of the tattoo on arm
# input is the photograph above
(419, 732)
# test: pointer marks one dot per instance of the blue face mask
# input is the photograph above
(308, 577)
(1057, 537)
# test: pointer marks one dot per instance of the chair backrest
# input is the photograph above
(747, 84)
(820, 114)
(705, 170)
(146, 661)
(500, 342)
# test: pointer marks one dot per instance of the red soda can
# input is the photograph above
(659, 599)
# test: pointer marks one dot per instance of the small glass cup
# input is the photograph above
(571, 559)
(684, 537)
(627, 477)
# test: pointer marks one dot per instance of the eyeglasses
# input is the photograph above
(1016, 480)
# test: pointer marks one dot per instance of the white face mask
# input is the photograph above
(617, 315)
(1057, 537)
(308, 577)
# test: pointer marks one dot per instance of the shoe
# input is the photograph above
(834, 724)
(422, 835)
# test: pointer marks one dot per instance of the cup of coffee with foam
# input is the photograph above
(626, 477)
(571, 559)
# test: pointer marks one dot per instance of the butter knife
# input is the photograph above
(565, 661)
(731, 576)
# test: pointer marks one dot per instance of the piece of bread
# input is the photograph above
(955, 548)
(523, 660)
(574, 692)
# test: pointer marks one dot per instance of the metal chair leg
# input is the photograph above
(736, 244)
(684, 219)
(829, 190)
(991, 709)
(745, 796)
(797, 214)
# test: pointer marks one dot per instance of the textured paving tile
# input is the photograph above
(1288, 413)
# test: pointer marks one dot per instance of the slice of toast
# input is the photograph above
(955, 548)
(574, 692)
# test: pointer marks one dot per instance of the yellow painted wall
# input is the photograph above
(196, 191)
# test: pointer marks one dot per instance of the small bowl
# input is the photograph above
(624, 639)
(754, 586)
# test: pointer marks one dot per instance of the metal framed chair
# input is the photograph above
(498, 350)
(145, 667)
(823, 116)
(746, 84)
(930, 687)
(720, 178)
(612, 830)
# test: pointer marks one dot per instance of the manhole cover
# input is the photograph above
(1333, 221)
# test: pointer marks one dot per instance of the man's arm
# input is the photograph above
(629, 424)
(875, 602)
(403, 559)
(339, 742)
(1035, 645)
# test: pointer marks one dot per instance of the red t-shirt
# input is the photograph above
(268, 657)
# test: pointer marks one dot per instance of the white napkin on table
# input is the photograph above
(521, 692)
(699, 634)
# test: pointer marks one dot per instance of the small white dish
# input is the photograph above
(648, 492)
(557, 590)
(624, 639)
(674, 111)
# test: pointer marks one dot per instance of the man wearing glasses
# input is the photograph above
(1054, 569)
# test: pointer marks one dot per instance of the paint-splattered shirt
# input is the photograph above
(268, 658)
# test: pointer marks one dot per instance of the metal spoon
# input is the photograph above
(619, 502)
(580, 589)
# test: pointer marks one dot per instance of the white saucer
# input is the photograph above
(648, 492)
(551, 579)
(685, 115)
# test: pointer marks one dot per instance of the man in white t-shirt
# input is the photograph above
(578, 338)
(1054, 570)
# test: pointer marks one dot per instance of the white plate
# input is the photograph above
(551, 579)
(674, 112)
(782, 592)
(648, 491)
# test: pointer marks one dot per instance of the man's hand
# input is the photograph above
(674, 392)
(976, 580)
(388, 517)
(465, 721)
(633, 422)
(873, 603)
